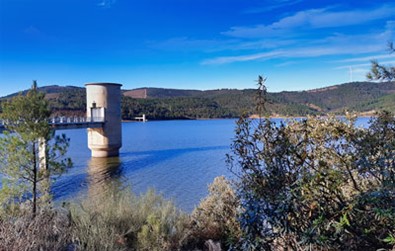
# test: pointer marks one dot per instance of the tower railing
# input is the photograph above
(83, 122)
(76, 120)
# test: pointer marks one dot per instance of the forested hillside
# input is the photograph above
(356, 96)
(160, 103)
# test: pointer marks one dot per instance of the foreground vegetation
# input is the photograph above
(319, 183)
(121, 220)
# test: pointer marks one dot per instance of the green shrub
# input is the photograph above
(318, 183)
(215, 218)
(119, 221)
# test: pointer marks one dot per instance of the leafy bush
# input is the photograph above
(316, 182)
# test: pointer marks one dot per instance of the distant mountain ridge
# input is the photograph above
(151, 92)
(49, 89)
(164, 103)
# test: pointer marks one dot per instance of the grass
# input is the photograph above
(120, 221)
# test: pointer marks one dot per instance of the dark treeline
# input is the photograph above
(71, 101)
(161, 104)
(174, 108)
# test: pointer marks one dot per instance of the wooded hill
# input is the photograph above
(160, 103)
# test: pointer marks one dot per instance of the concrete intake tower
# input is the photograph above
(103, 102)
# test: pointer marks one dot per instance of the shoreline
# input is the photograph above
(250, 117)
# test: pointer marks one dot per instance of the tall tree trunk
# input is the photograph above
(44, 186)
(34, 192)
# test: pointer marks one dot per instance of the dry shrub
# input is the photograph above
(124, 221)
(163, 228)
(216, 216)
(48, 230)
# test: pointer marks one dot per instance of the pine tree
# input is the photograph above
(382, 72)
(30, 153)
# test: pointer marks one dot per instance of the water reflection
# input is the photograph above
(104, 176)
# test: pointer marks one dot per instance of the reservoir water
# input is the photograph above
(177, 158)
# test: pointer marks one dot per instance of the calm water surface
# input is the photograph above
(177, 158)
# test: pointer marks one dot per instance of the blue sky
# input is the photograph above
(199, 44)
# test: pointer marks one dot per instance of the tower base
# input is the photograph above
(104, 153)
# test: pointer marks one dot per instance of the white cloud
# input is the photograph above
(271, 5)
(189, 44)
(346, 18)
(366, 59)
(33, 31)
(216, 45)
(359, 70)
(232, 59)
(312, 19)
(390, 25)
(305, 52)
(106, 3)
(365, 65)
(287, 63)
(350, 44)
